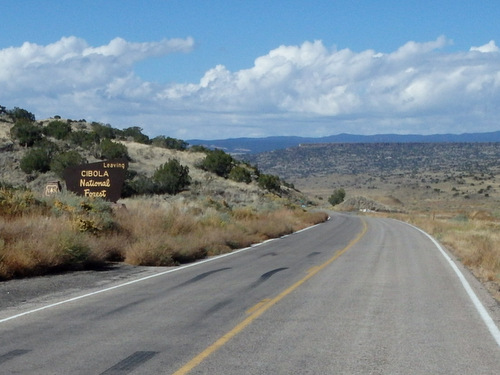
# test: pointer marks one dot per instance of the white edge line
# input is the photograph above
(142, 279)
(495, 332)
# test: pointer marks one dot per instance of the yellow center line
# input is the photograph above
(262, 307)
(257, 306)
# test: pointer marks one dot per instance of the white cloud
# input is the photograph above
(490, 47)
(303, 90)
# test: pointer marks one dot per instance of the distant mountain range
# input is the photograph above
(257, 145)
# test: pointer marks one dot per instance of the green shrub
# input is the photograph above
(21, 114)
(200, 148)
(65, 159)
(113, 150)
(139, 185)
(103, 131)
(172, 177)
(240, 174)
(57, 129)
(170, 143)
(83, 138)
(35, 160)
(337, 197)
(270, 183)
(136, 134)
(218, 162)
(26, 132)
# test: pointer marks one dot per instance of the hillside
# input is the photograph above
(144, 160)
(410, 175)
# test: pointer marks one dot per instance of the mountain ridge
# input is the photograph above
(246, 145)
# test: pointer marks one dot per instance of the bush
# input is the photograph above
(17, 202)
(26, 132)
(337, 197)
(35, 160)
(170, 143)
(65, 159)
(240, 174)
(103, 131)
(57, 129)
(83, 138)
(21, 114)
(200, 148)
(218, 162)
(139, 185)
(270, 183)
(171, 177)
(136, 134)
(113, 150)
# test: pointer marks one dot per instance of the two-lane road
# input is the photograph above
(351, 296)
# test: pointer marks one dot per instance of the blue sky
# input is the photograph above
(220, 69)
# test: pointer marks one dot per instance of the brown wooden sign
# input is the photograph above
(97, 180)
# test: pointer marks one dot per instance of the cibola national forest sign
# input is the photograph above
(97, 180)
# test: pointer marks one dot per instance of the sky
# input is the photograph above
(217, 69)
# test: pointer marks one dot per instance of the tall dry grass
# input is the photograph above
(177, 233)
(72, 233)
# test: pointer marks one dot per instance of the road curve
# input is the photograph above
(351, 296)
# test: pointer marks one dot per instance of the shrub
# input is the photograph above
(218, 162)
(16, 202)
(139, 185)
(240, 174)
(170, 143)
(270, 183)
(136, 134)
(35, 160)
(57, 129)
(113, 150)
(172, 177)
(199, 148)
(83, 138)
(64, 160)
(337, 197)
(87, 215)
(21, 114)
(103, 131)
(26, 132)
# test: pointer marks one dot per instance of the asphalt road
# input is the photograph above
(351, 296)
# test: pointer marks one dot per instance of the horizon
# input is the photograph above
(197, 70)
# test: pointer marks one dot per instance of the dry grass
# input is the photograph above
(72, 233)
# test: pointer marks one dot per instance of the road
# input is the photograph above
(350, 296)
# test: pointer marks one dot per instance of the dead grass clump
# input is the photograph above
(151, 250)
(35, 246)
